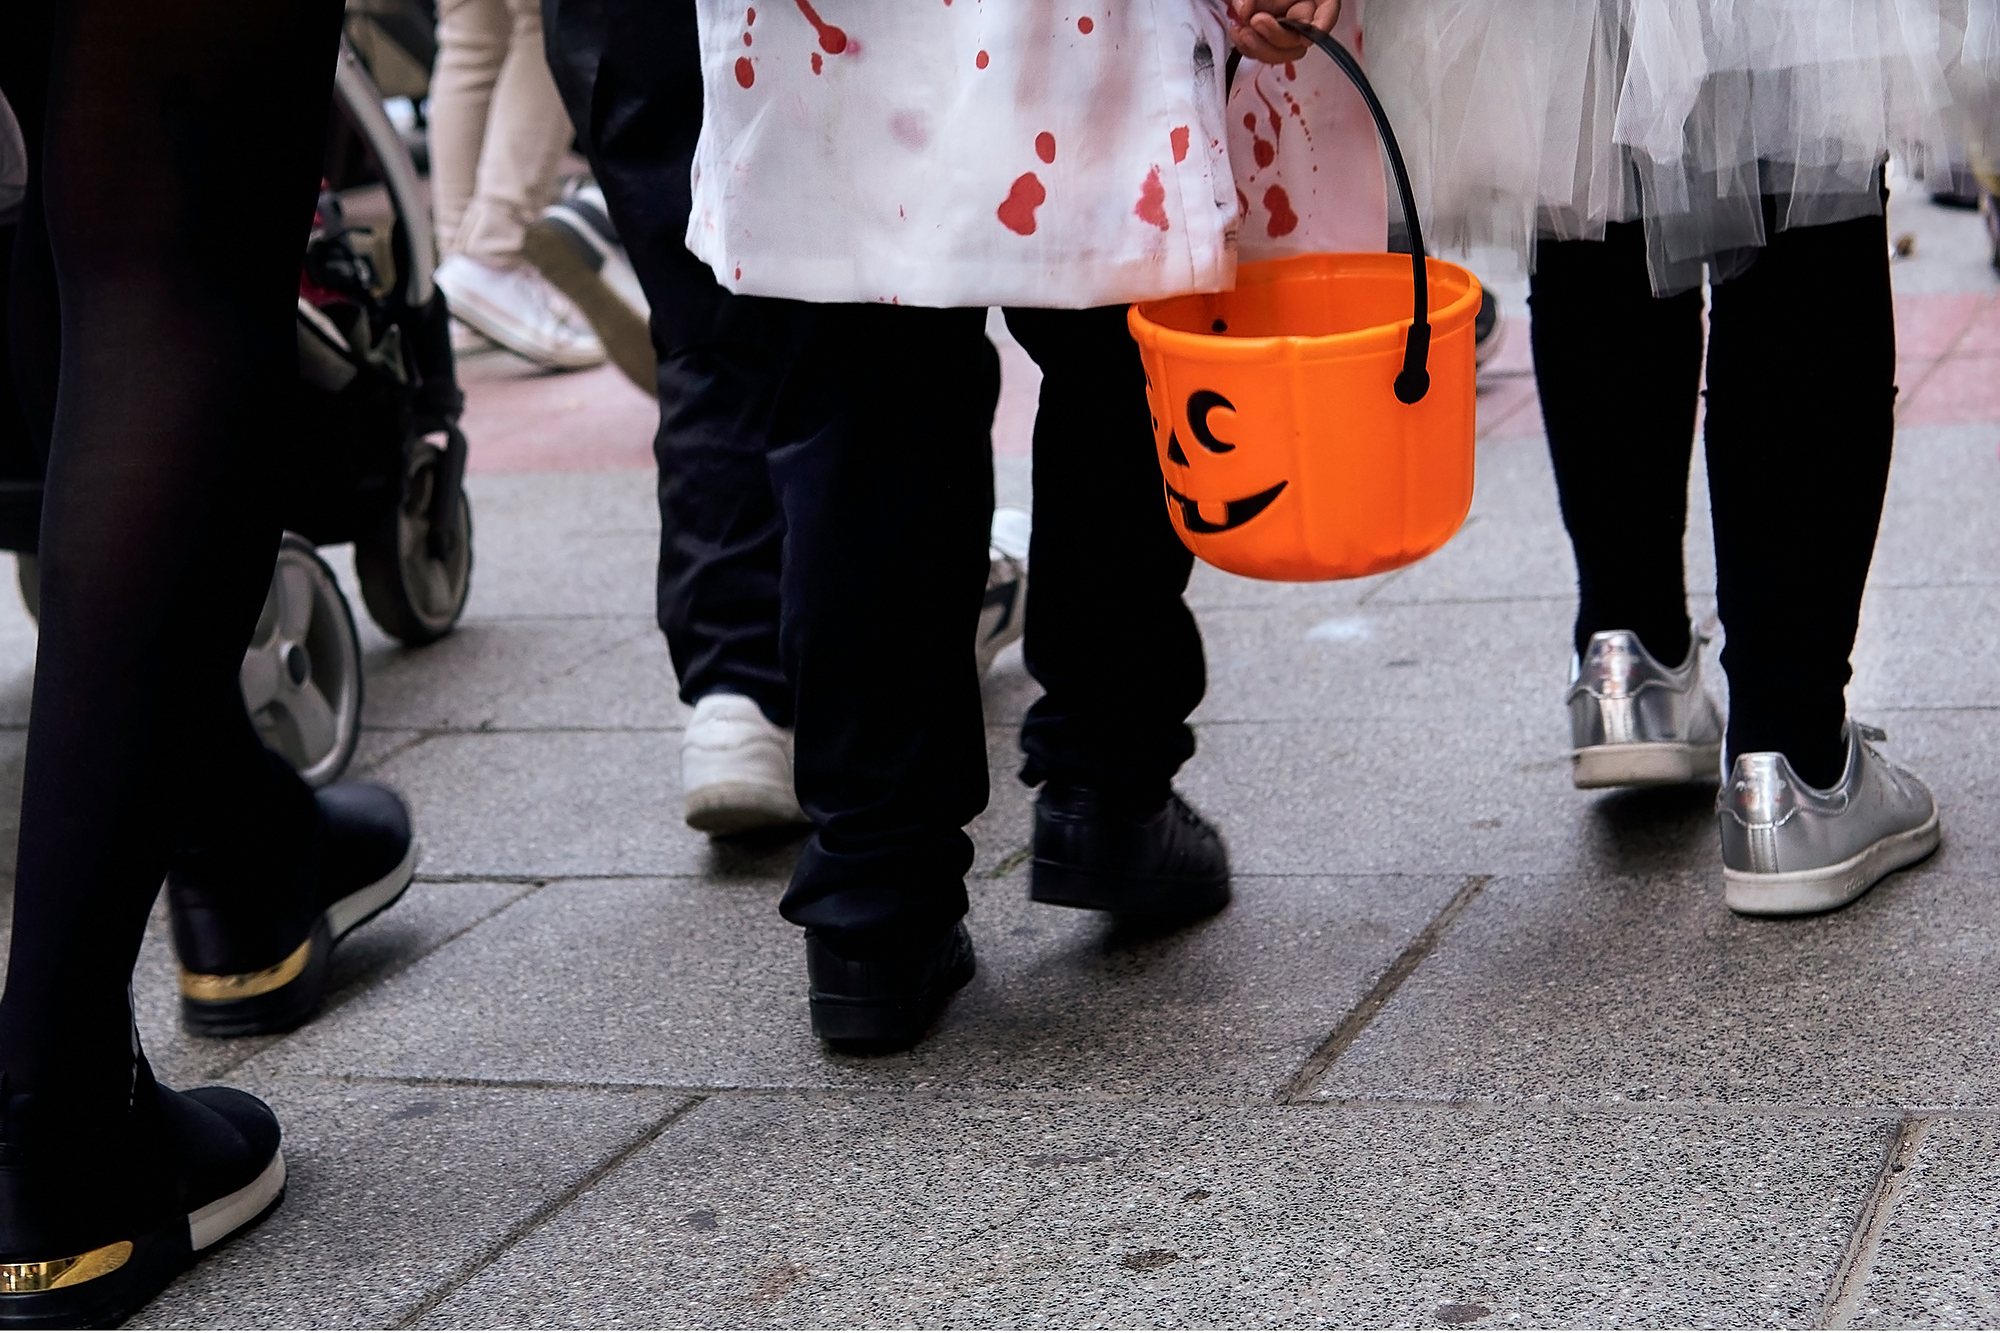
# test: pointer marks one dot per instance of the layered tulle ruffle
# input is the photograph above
(1527, 118)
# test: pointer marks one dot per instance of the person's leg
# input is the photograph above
(1110, 639)
(472, 44)
(527, 130)
(881, 460)
(1619, 374)
(1801, 401)
(158, 541)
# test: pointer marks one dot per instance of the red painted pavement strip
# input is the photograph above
(522, 419)
(1959, 389)
(1927, 326)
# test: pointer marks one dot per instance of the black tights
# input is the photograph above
(1801, 394)
(177, 149)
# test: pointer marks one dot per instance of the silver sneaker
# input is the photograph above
(1789, 849)
(1635, 723)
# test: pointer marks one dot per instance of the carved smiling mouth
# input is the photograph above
(1235, 513)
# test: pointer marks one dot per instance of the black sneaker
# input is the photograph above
(254, 955)
(99, 1212)
(885, 1001)
(1095, 853)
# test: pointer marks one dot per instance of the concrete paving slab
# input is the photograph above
(1305, 662)
(428, 917)
(1944, 488)
(466, 681)
(1387, 796)
(564, 545)
(700, 984)
(1938, 1265)
(1928, 648)
(1591, 989)
(394, 1192)
(620, 678)
(841, 1212)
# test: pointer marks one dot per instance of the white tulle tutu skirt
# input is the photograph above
(1551, 118)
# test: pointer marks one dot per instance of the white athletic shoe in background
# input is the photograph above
(736, 768)
(519, 309)
(1003, 615)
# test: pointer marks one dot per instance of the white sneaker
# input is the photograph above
(1003, 615)
(736, 768)
(520, 310)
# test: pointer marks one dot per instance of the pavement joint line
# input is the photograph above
(1301, 1084)
(1888, 1116)
(539, 1218)
(1857, 1263)
(1011, 862)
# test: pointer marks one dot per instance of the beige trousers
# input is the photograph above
(497, 128)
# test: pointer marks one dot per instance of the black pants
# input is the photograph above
(1801, 394)
(153, 352)
(630, 73)
(881, 455)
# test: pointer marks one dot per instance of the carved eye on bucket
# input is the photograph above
(1234, 512)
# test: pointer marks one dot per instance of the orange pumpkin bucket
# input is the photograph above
(1317, 421)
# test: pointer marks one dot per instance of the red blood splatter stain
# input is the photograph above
(750, 18)
(1152, 205)
(1305, 126)
(1279, 205)
(818, 64)
(1045, 146)
(831, 39)
(746, 73)
(1017, 210)
(1179, 139)
(1291, 71)
(746, 39)
(982, 60)
(739, 270)
(1264, 151)
(1277, 121)
(1250, 121)
(1084, 25)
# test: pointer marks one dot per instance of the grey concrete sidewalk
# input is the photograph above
(1470, 1048)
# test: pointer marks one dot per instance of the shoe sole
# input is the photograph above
(1131, 897)
(571, 266)
(154, 1261)
(291, 1004)
(496, 326)
(878, 1027)
(1808, 892)
(722, 808)
(1647, 764)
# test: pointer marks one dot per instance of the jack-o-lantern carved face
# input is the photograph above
(1234, 513)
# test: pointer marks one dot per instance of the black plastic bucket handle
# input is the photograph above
(1414, 381)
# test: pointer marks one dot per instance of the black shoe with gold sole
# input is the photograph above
(98, 1213)
(254, 951)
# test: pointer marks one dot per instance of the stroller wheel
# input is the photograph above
(302, 674)
(415, 576)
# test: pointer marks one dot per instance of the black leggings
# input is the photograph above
(177, 150)
(1801, 395)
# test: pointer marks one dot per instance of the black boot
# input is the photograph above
(254, 939)
(1095, 851)
(102, 1205)
(880, 998)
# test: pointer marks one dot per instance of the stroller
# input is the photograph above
(379, 462)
